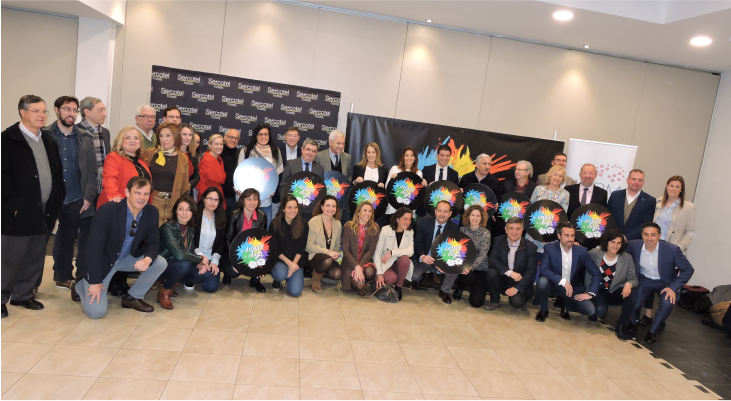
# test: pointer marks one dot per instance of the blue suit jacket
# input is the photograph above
(425, 233)
(668, 259)
(643, 212)
(580, 263)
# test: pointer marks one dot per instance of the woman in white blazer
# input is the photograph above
(394, 250)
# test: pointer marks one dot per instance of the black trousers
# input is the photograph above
(22, 265)
(604, 299)
(498, 283)
(69, 219)
(84, 230)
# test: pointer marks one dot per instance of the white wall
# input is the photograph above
(710, 248)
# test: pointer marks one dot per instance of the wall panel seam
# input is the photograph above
(639, 105)
(708, 136)
(223, 36)
(401, 73)
(484, 83)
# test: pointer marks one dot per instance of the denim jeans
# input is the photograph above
(545, 287)
(185, 272)
(295, 282)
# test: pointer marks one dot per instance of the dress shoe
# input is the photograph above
(398, 292)
(226, 280)
(64, 284)
(565, 313)
(276, 285)
(163, 298)
(645, 321)
(457, 294)
(29, 303)
(626, 331)
(592, 318)
(75, 295)
(417, 286)
(5, 311)
(650, 338)
(541, 316)
(256, 284)
(490, 306)
(445, 297)
(136, 304)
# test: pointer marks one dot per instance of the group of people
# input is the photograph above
(153, 204)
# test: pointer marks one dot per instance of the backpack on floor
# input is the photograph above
(386, 293)
(695, 298)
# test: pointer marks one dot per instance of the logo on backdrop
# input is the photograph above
(253, 252)
(544, 220)
(290, 109)
(201, 127)
(611, 175)
(203, 97)
(277, 92)
(320, 113)
(368, 195)
(250, 89)
(305, 191)
(173, 94)
(405, 191)
(512, 208)
(307, 97)
(328, 128)
(443, 194)
(262, 105)
(232, 101)
(592, 224)
(159, 76)
(336, 188)
(246, 119)
(275, 122)
(216, 114)
(303, 126)
(187, 111)
(460, 159)
(453, 252)
(335, 101)
(159, 106)
(189, 80)
(219, 84)
(474, 197)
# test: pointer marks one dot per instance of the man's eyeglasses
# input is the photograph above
(209, 199)
(38, 111)
(148, 116)
(70, 110)
(133, 230)
(232, 137)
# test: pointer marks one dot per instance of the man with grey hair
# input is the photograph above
(335, 158)
(586, 192)
(482, 175)
(522, 183)
(145, 122)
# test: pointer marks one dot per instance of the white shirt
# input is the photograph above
(589, 192)
(371, 174)
(30, 134)
(648, 262)
(631, 199)
(513, 246)
(291, 154)
(565, 265)
(147, 135)
(437, 171)
(208, 237)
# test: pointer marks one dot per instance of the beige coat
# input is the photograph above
(387, 242)
(682, 229)
(316, 241)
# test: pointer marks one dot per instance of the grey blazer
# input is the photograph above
(323, 157)
(294, 166)
(624, 273)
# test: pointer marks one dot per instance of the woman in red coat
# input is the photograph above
(210, 167)
(122, 163)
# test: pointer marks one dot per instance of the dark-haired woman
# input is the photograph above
(409, 161)
(290, 230)
(360, 236)
(189, 147)
(177, 246)
(169, 170)
(248, 215)
(323, 242)
(261, 145)
(475, 223)
(394, 250)
(210, 234)
(619, 280)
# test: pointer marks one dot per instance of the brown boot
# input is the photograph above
(363, 292)
(172, 292)
(163, 297)
(316, 282)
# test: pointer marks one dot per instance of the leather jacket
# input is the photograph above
(236, 223)
(172, 245)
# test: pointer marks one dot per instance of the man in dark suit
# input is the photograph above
(584, 193)
(522, 182)
(632, 207)
(513, 262)
(124, 237)
(290, 148)
(427, 230)
(305, 163)
(334, 158)
(438, 172)
(656, 263)
(563, 267)
(482, 175)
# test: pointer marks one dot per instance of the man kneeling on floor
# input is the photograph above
(124, 237)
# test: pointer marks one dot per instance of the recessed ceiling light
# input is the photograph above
(428, 20)
(700, 41)
(563, 15)
(586, 46)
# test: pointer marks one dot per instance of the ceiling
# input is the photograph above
(657, 31)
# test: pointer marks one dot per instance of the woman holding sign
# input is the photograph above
(476, 217)
(323, 242)
(407, 162)
(247, 216)
(360, 237)
(394, 250)
(261, 145)
(551, 191)
(370, 167)
(290, 230)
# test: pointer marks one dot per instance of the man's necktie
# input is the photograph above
(583, 197)
(441, 174)
(307, 166)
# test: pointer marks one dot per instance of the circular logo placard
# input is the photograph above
(453, 252)
(257, 173)
(482, 195)
(307, 187)
(371, 192)
(512, 204)
(405, 190)
(338, 185)
(254, 252)
(541, 219)
(591, 221)
(443, 190)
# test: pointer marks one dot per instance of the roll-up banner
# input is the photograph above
(394, 135)
(214, 103)
(613, 162)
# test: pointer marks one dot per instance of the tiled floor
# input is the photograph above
(242, 345)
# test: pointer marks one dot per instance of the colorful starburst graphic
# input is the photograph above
(544, 220)
(460, 159)
(475, 197)
(305, 191)
(253, 252)
(443, 194)
(512, 208)
(405, 191)
(368, 195)
(453, 252)
(336, 188)
(592, 224)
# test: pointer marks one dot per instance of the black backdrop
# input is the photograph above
(213, 103)
(394, 135)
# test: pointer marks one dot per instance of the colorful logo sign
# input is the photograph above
(545, 221)
(511, 208)
(335, 188)
(260, 177)
(443, 194)
(591, 224)
(405, 191)
(305, 191)
(452, 252)
(368, 195)
(460, 159)
(474, 197)
(253, 252)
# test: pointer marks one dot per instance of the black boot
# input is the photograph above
(457, 294)
(398, 292)
(256, 284)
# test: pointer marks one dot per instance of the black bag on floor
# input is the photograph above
(695, 298)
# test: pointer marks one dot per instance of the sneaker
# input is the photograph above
(189, 286)
(276, 285)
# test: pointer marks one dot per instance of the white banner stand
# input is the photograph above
(613, 162)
